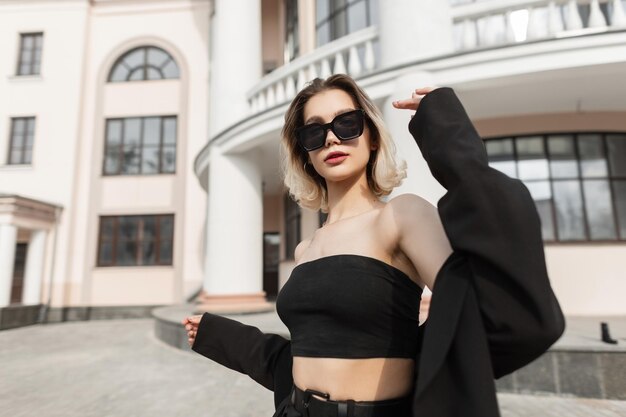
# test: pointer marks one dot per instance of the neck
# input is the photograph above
(349, 198)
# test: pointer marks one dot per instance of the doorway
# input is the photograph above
(271, 251)
(17, 288)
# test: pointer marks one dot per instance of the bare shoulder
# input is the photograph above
(410, 207)
(300, 249)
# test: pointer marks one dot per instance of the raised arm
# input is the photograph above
(492, 223)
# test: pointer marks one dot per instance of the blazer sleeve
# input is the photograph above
(494, 229)
(264, 357)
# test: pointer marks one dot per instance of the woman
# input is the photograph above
(351, 302)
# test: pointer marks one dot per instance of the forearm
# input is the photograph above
(265, 357)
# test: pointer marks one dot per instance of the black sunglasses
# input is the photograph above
(345, 126)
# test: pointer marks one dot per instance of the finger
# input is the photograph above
(405, 104)
(424, 90)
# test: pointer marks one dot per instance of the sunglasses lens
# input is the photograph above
(311, 136)
(348, 125)
(345, 126)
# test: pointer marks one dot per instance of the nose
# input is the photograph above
(331, 138)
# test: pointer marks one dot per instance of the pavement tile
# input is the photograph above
(119, 368)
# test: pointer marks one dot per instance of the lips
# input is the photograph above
(334, 154)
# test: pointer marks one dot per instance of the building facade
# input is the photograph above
(139, 138)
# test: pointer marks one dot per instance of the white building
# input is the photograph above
(139, 138)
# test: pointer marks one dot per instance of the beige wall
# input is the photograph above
(552, 122)
(588, 279)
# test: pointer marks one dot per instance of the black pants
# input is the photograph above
(305, 404)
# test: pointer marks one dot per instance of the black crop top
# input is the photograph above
(350, 306)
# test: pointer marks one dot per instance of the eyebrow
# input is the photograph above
(318, 119)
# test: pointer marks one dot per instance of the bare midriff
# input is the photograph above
(371, 379)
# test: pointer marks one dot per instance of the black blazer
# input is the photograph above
(492, 309)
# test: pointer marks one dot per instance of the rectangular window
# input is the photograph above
(29, 60)
(140, 145)
(21, 141)
(136, 240)
(576, 180)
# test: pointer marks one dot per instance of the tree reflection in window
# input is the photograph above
(578, 181)
(136, 240)
(140, 145)
(144, 63)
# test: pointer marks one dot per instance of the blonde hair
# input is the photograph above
(305, 185)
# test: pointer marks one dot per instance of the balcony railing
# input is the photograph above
(502, 22)
(353, 54)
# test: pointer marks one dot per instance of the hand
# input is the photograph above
(191, 325)
(413, 102)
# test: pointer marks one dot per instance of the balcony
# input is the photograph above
(542, 56)
(353, 54)
(485, 24)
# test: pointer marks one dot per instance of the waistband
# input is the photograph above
(310, 406)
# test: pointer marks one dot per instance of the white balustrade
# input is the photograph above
(352, 54)
(496, 22)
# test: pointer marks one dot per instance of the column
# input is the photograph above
(235, 60)
(411, 30)
(234, 258)
(8, 240)
(33, 275)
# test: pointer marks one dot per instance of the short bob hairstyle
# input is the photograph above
(307, 187)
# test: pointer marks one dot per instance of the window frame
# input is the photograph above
(141, 145)
(20, 54)
(609, 177)
(144, 65)
(115, 240)
(26, 120)
(333, 12)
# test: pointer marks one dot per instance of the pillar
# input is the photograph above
(33, 275)
(235, 60)
(411, 30)
(234, 258)
(8, 240)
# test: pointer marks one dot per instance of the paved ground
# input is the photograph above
(118, 368)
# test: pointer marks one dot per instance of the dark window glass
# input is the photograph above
(617, 154)
(542, 195)
(578, 181)
(21, 140)
(619, 191)
(532, 163)
(144, 63)
(292, 226)
(140, 145)
(338, 18)
(502, 156)
(563, 161)
(292, 41)
(136, 240)
(29, 61)
(599, 209)
(592, 159)
(569, 210)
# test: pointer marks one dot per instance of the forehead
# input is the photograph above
(325, 104)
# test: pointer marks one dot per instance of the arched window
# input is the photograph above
(144, 63)
(578, 181)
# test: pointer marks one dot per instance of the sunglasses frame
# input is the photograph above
(331, 126)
